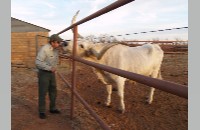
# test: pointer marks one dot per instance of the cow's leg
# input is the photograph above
(150, 98)
(103, 79)
(155, 74)
(120, 86)
(109, 92)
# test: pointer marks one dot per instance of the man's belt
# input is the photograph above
(45, 71)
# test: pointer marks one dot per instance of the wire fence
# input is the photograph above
(160, 30)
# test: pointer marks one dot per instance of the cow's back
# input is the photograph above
(141, 59)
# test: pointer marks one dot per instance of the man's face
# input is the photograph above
(55, 44)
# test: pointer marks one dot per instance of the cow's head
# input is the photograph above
(83, 47)
(86, 48)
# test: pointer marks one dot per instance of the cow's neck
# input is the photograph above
(103, 50)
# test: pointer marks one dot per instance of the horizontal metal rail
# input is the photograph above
(173, 88)
(107, 9)
(87, 107)
(155, 41)
(182, 53)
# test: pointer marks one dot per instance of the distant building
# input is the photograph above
(23, 42)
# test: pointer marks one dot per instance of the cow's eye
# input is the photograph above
(81, 46)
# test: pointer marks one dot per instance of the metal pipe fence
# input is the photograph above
(86, 105)
(173, 88)
(177, 89)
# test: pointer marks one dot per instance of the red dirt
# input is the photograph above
(167, 112)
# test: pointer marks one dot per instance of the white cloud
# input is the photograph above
(22, 12)
(49, 15)
(95, 5)
(50, 5)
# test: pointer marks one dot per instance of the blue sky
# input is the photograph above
(137, 16)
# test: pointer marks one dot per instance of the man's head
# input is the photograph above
(55, 40)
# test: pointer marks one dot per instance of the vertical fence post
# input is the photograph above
(36, 45)
(74, 70)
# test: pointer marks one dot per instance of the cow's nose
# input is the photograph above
(65, 44)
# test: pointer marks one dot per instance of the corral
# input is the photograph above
(167, 112)
(104, 115)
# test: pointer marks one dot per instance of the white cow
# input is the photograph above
(145, 60)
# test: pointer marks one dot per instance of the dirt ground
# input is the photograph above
(167, 112)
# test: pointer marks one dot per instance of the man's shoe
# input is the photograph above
(56, 111)
(42, 116)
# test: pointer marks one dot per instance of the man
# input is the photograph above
(46, 62)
